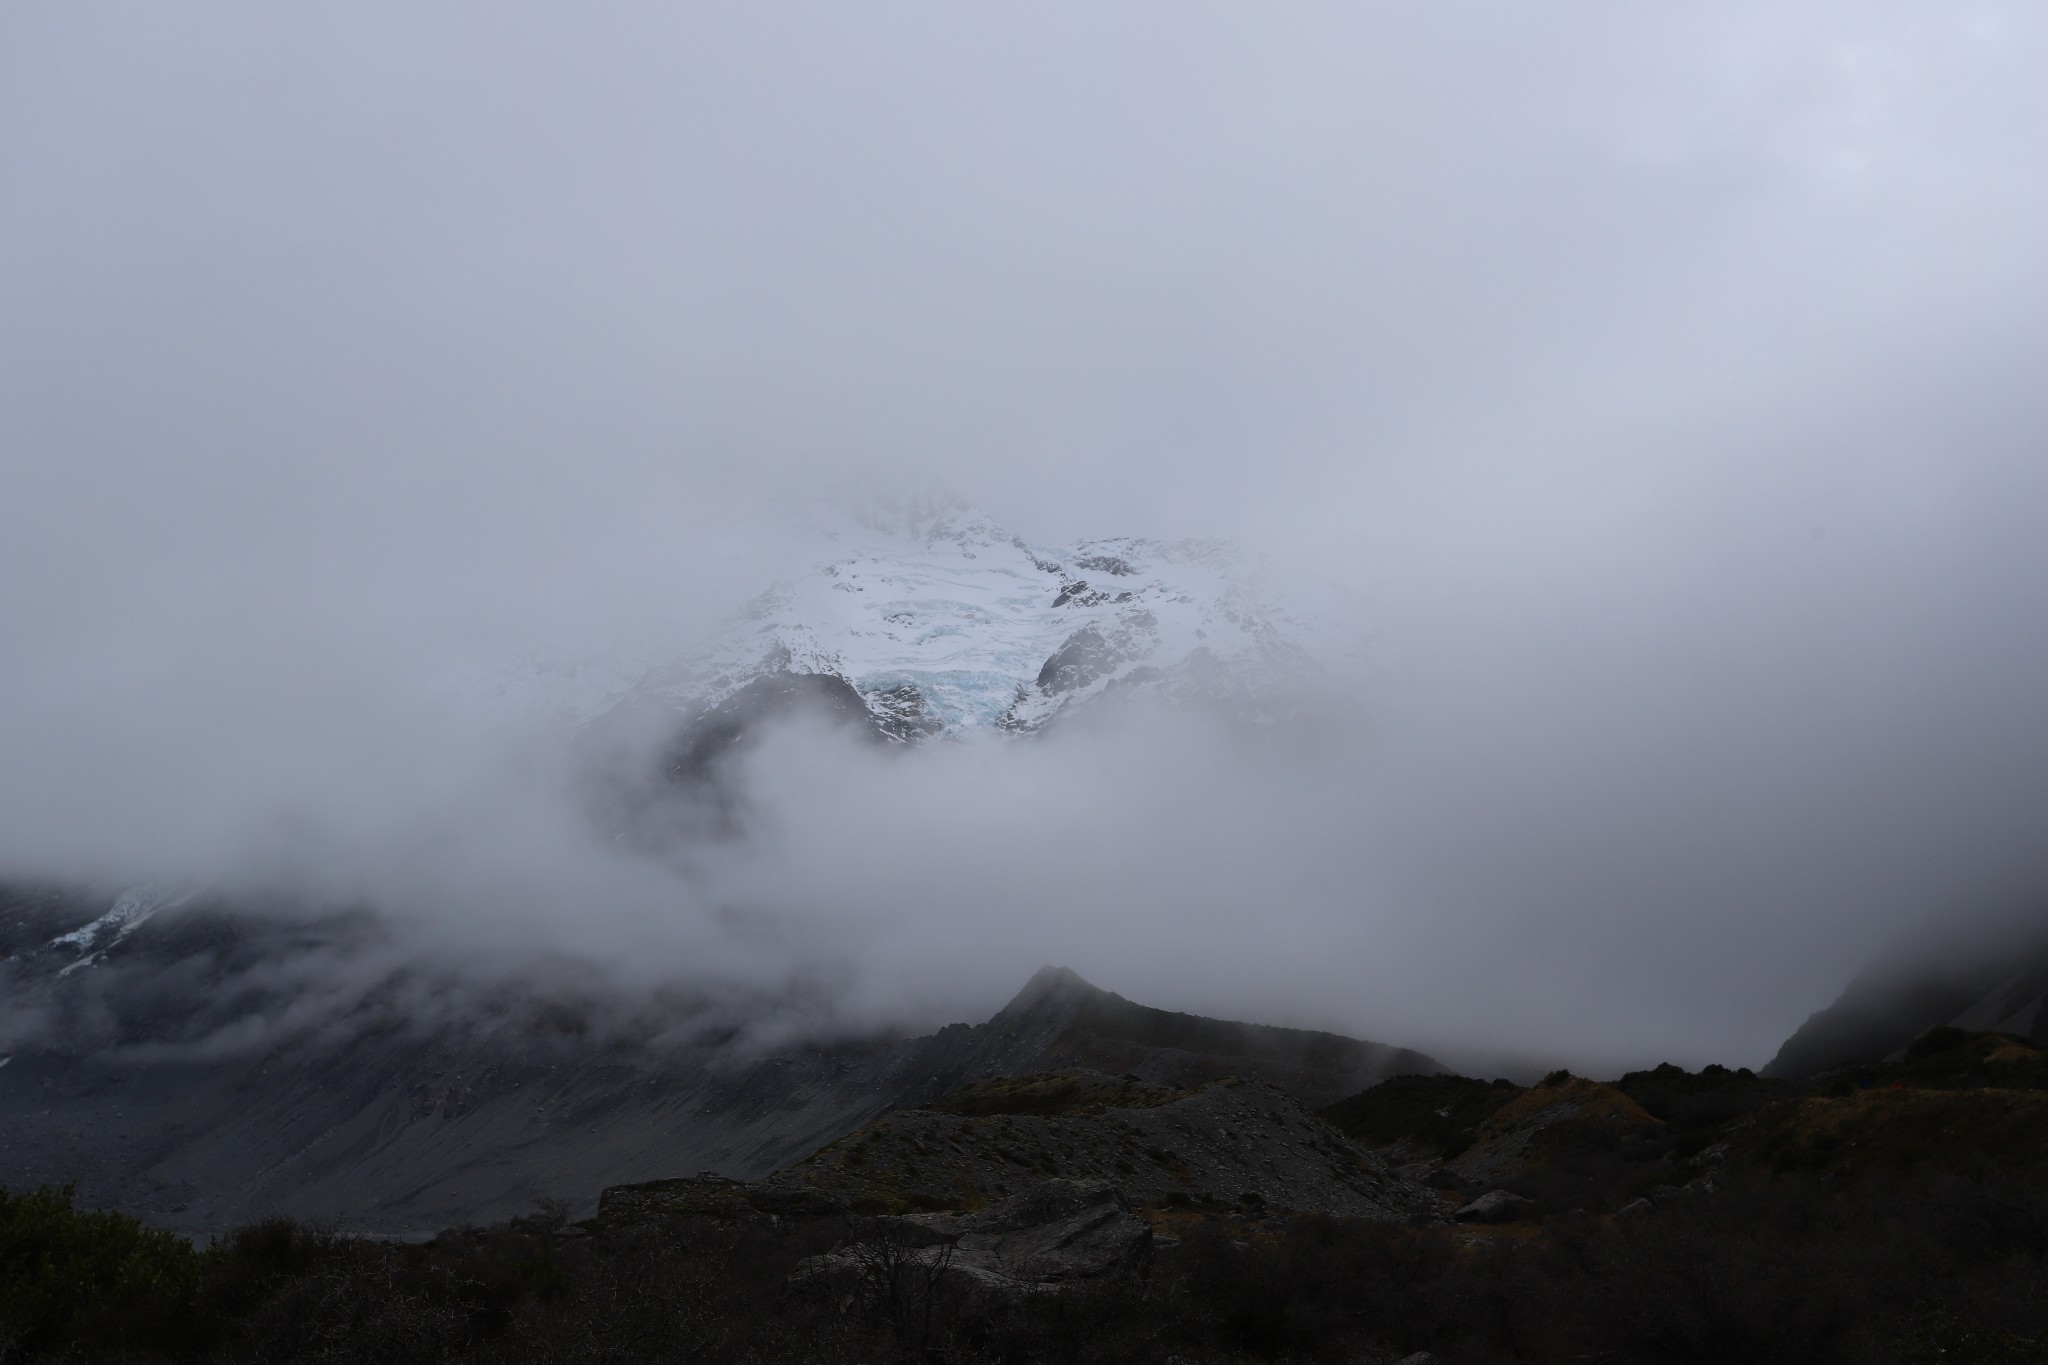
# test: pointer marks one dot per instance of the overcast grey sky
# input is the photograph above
(1668, 381)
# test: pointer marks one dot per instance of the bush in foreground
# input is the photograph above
(1948, 1270)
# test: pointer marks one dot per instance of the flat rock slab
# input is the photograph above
(1062, 1230)
(1056, 1234)
(1495, 1206)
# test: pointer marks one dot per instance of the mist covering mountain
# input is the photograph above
(205, 1058)
(588, 592)
(1521, 534)
(203, 1067)
(919, 619)
(1973, 970)
(207, 1055)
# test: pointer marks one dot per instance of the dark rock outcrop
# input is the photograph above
(1053, 1233)
(901, 714)
(1086, 656)
(1052, 1236)
(710, 737)
(1095, 651)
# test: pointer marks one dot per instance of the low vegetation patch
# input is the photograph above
(90, 1279)
(1435, 1116)
(1951, 1270)
(1955, 1101)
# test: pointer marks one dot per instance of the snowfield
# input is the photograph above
(131, 909)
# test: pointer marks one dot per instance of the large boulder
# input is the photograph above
(1055, 1232)
(1495, 1206)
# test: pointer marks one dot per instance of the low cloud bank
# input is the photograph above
(1573, 889)
(1661, 388)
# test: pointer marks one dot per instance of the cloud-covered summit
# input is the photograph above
(1665, 385)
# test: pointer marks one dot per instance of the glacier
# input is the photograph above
(949, 626)
(130, 910)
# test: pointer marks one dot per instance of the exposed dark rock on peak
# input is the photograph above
(1086, 656)
(901, 714)
(725, 728)
(1095, 652)
(1079, 594)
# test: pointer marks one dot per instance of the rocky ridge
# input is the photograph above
(411, 1105)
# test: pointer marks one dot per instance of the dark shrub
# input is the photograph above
(99, 1277)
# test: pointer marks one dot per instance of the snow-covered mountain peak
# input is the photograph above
(947, 624)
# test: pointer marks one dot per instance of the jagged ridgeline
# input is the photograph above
(391, 1120)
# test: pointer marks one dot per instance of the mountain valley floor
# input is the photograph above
(1886, 1213)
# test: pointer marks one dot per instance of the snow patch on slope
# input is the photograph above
(130, 911)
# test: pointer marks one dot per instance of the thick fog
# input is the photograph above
(1663, 391)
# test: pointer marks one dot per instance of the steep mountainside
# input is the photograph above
(1982, 974)
(125, 1072)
